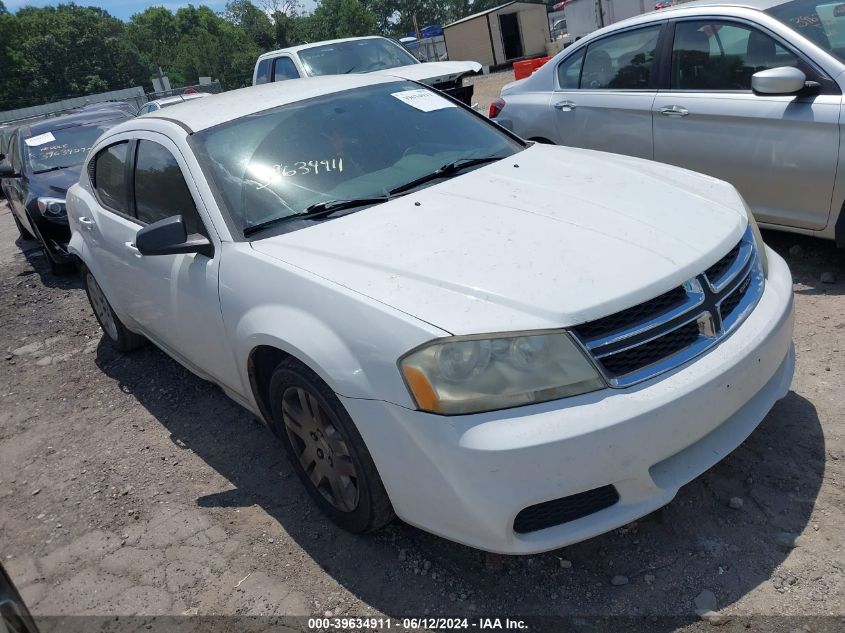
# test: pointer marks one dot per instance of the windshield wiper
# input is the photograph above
(316, 210)
(446, 170)
(57, 168)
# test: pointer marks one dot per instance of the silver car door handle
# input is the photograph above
(134, 249)
(565, 106)
(674, 111)
(88, 223)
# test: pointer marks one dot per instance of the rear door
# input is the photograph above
(605, 93)
(780, 152)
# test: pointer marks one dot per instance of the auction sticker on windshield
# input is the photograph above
(423, 99)
(41, 139)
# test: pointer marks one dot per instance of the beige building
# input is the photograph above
(498, 36)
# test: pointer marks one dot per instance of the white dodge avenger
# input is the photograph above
(511, 345)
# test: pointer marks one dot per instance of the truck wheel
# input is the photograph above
(326, 450)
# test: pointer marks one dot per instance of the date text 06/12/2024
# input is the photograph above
(377, 624)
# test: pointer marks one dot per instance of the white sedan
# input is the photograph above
(511, 345)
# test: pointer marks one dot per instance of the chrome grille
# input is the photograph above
(663, 333)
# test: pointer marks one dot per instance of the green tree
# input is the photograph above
(65, 51)
(155, 34)
(254, 21)
(340, 18)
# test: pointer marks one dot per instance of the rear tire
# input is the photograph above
(326, 450)
(120, 338)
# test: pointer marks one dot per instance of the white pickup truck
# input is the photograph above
(363, 55)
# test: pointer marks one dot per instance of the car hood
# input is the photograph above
(432, 72)
(550, 237)
(53, 183)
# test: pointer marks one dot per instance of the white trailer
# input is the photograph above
(585, 16)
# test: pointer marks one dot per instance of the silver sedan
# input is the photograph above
(750, 93)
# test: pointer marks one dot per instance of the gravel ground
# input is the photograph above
(488, 87)
(129, 486)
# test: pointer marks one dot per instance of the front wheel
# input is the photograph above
(326, 450)
(121, 338)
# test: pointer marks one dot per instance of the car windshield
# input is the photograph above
(819, 21)
(357, 56)
(66, 147)
(359, 143)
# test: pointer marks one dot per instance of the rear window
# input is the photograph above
(821, 22)
(65, 147)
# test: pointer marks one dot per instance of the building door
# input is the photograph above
(511, 39)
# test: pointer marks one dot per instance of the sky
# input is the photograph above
(123, 9)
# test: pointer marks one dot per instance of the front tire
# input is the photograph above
(326, 450)
(120, 338)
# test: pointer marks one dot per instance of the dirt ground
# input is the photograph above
(488, 87)
(129, 486)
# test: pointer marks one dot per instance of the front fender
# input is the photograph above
(331, 358)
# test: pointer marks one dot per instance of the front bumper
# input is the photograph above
(467, 477)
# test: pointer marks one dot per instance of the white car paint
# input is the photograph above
(425, 72)
(548, 238)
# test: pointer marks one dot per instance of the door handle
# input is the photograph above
(133, 249)
(88, 223)
(565, 106)
(674, 110)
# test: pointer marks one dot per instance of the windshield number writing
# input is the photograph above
(303, 168)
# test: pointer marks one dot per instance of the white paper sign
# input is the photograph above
(41, 139)
(423, 99)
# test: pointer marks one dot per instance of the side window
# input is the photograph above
(262, 75)
(284, 68)
(110, 176)
(621, 62)
(569, 71)
(160, 188)
(712, 55)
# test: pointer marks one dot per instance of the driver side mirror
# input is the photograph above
(785, 80)
(169, 237)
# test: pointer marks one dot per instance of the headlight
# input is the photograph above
(52, 207)
(470, 374)
(758, 239)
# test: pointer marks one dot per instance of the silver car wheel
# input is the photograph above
(320, 448)
(101, 307)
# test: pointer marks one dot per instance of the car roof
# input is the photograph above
(221, 108)
(294, 49)
(72, 120)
